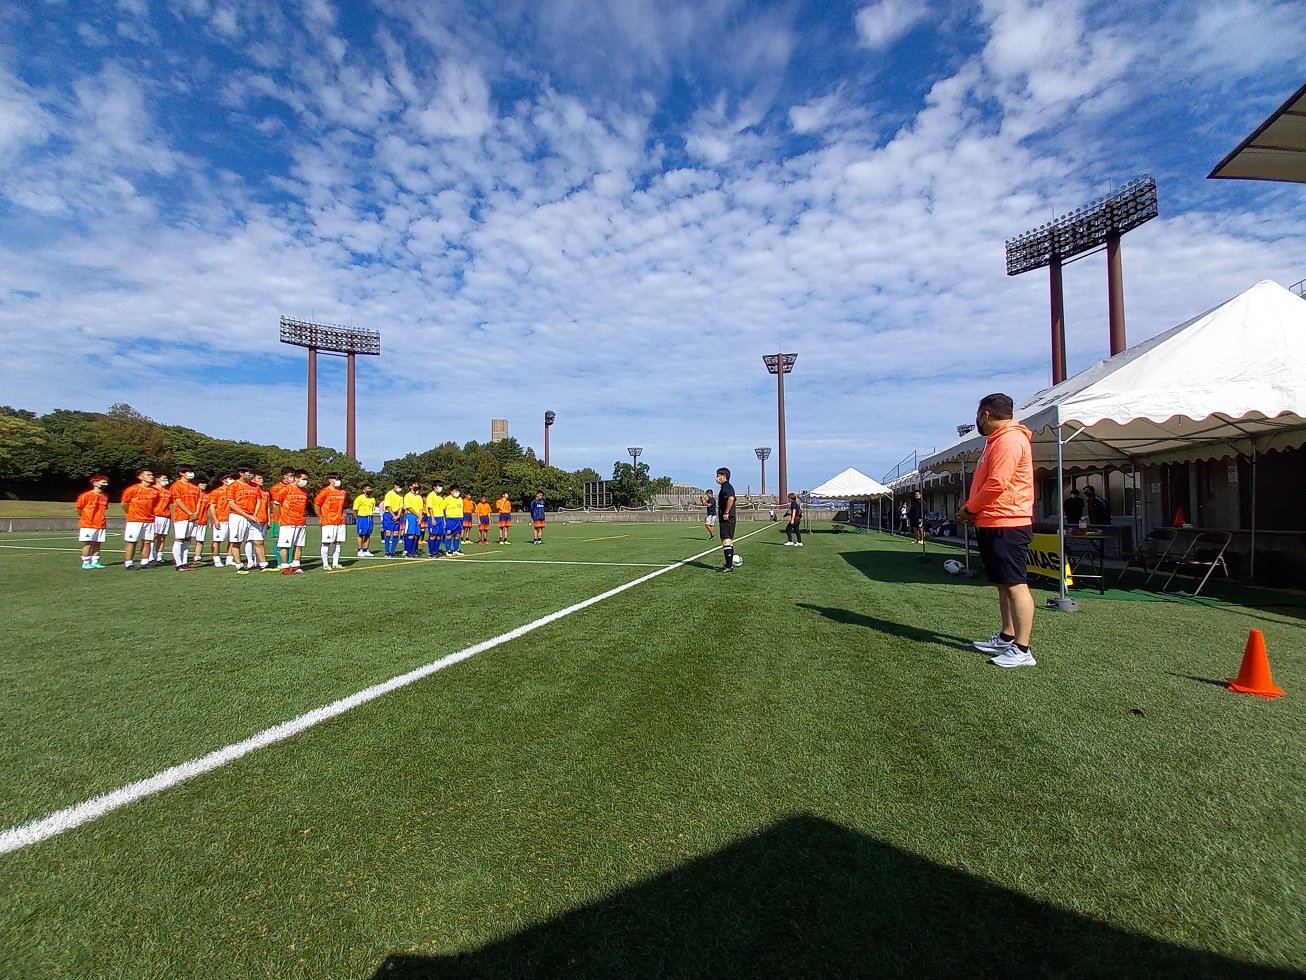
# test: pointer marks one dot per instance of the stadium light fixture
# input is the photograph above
(780, 365)
(763, 453)
(1077, 232)
(331, 339)
(635, 453)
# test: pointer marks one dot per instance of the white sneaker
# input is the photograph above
(798, 544)
(1013, 658)
(789, 544)
(994, 644)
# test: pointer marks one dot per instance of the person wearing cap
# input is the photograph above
(91, 525)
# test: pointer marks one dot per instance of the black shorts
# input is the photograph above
(727, 529)
(1005, 553)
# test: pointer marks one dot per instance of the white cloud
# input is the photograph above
(880, 25)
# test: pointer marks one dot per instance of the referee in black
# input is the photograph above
(725, 515)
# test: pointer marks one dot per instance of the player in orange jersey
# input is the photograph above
(243, 499)
(278, 490)
(482, 521)
(221, 517)
(255, 549)
(293, 511)
(330, 506)
(504, 506)
(91, 525)
(138, 500)
(154, 549)
(469, 515)
(200, 528)
(185, 497)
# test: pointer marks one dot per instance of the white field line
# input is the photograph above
(43, 828)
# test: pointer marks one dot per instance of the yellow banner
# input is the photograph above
(1044, 558)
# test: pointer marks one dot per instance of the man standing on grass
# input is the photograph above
(277, 491)
(725, 505)
(91, 525)
(793, 523)
(710, 520)
(435, 520)
(138, 501)
(330, 506)
(537, 517)
(504, 506)
(221, 519)
(293, 530)
(199, 530)
(185, 512)
(242, 501)
(454, 516)
(364, 508)
(414, 506)
(1001, 505)
(392, 512)
(162, 506)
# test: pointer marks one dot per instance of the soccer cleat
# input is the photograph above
(789, 544)
(1014, 658)
(242, 571)
(994, 644)
(798, 544)
(726, 568)
(184, 568)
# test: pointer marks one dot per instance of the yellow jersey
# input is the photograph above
(453, 507)
(413, 503)
(394, 502)
(364, 505)
(435, 504)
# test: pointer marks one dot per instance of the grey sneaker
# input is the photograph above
(1013, 658)
(994, 644)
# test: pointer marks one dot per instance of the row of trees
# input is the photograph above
(49, 457)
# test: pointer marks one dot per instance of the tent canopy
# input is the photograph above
(851, 484)
(1276, 150)
(1232, 380)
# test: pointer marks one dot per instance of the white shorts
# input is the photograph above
(237, 529)
(257, 531)
(134, 530)
(290, 537)
(220, 531)
(711, 519)
(161, 525)
(182, 530)
(90, 535)
(333, 534)
(197, 532)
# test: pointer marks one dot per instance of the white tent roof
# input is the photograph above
(850, 485)
(1228, 381)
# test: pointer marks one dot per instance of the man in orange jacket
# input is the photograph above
(1001, 504)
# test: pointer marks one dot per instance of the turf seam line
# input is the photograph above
(35, 831)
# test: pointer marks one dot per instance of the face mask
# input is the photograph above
(335, 483)
(302, 483)
(457, 493)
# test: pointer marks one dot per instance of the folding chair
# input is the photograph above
(1149, 555)
(1198, 558)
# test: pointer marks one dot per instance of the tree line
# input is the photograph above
(50, 457)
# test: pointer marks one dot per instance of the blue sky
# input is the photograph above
(612, 210)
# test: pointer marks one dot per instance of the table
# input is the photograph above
(1092, 550)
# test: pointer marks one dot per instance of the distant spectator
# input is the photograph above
(1074, 508)
(916, 516)
(1098, 510)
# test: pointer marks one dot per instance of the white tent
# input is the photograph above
(1230, 381)
(851, 484)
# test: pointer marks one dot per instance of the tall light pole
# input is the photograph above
(548, 421)
(330, 339)
(780, 365)
(762, 453)
(635, 453)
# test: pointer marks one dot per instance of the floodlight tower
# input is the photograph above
(635, 453)
(763, 453)
(1099, 223)
(548, 422)
(780, 365)
(330, 339)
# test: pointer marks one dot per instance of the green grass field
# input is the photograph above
(800, 769)
(47, 508)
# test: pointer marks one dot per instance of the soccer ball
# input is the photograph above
(739, 560)
(952, 566)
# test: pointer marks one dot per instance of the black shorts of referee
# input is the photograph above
(1005, 553)
(727, 530)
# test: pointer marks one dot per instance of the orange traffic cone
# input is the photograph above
(1254, 674)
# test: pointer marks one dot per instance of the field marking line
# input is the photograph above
(43, 828)
(610, 537)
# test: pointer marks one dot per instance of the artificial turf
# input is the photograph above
(798, 769)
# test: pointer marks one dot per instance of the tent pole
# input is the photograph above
(920, 485)
(1251, 564)
(1064, 603)
(965, 528)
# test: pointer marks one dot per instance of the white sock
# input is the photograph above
(177, 552)
(249, 554)
(335, 553)
(324, 556)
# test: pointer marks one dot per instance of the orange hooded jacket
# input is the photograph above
(1002, 493)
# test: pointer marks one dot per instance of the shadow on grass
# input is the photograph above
(888, 627)
(808, 898)
(903, 566)
(1247, 599)
(1199, 680)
